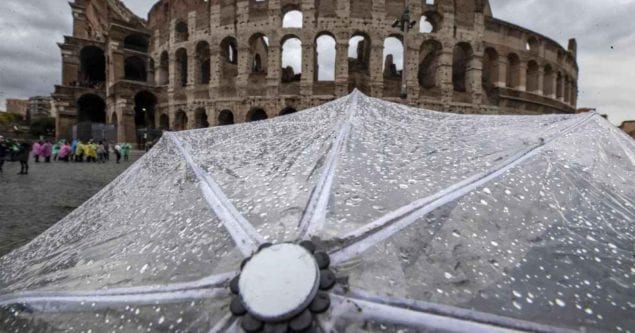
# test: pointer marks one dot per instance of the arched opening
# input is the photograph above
(287, 110)
(181, 67)
(136, 42)
(513, 71)
(203, 63)
(180, 121)
(181, 33)
(393, 59)
(292, 19)
(291, 59)
(225, 117)
(91, 108)
(559, 86)
(135, 69)
(359, 47)
(259, 51)
(164, 122)
(92, 67)
(430, 22)
(256, 114)
(567, 89)
(115, 123)
(460, 64)
(548, 89)
(490, 68)
(164, 69)
(429, 56)
(144, 108)
(325, 55)
(532, 76)
(200, 118)
(532, 44)
(229, 50)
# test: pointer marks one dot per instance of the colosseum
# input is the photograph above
(200, 63)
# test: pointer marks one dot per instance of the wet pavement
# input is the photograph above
(30, 204)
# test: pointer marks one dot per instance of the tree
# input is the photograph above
(43, 127)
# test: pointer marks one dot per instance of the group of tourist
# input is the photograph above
(77, 151)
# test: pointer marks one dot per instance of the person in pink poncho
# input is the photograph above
(65, 152)
(37, 150)
(47, 151)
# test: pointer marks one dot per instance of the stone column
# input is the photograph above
(560, 88)
(522, 77)
(308, 68)
(541, 81)
(172, 72)
(444, 73)
(375, 66)
(244, 69)
(501, 81)
(554, 85)
(341, 66)
(474, 78)
(274, 66)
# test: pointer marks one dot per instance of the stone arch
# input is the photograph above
(164, 122)
(135, 69)
(259, 53)
(359, 52)
(291, 59)
(513, 71)
(144, 106)
(136, 42)
(200, 118)
(203, 63)
(225, 117)
(548, 85)
(181, 32)
(430, 22)
(92, 66)
(532, 44)
(288, 110)
(91, 108)
(181, 67)
(462, 56)
(163, 77)
(490, 68)
(559, 86)
(532, 76)
(393, 61)
(429, 55)
(229, 50)
(256, 114)
(292, 17)
(180, 120)
(325, 57)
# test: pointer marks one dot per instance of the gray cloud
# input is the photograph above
(30, 61)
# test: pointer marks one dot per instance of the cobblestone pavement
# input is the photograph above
(31, 204)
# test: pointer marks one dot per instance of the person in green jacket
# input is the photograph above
(125, 150)
(56, 149)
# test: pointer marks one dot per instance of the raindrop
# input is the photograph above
(560, 302)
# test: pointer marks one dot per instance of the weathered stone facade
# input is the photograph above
(197, 63)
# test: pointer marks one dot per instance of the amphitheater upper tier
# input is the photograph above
(196, 63)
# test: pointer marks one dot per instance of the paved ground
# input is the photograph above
(31, 204)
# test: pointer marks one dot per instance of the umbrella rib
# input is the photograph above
(247, 239)
(315, 212)
(382, 309)
(209, 287)
(384, 227)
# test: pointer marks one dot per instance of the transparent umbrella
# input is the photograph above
(358, 215)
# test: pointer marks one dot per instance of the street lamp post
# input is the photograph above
(404, 25)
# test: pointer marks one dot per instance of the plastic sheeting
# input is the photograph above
(433, 221)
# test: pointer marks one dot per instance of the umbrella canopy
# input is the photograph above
(358, 215)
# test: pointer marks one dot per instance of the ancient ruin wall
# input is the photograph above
(197, 63)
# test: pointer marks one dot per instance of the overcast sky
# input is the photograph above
(30, 61)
